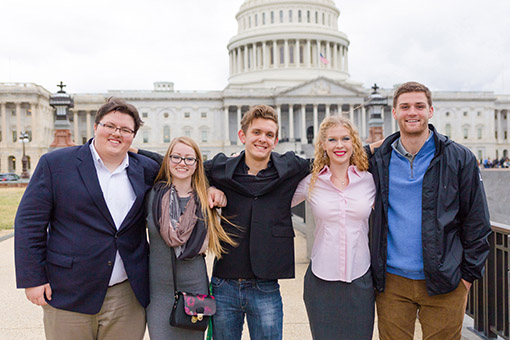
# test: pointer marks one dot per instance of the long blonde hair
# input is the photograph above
(359, 157)
(200, 184)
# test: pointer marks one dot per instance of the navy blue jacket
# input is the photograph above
(455, 216)
(65, 235)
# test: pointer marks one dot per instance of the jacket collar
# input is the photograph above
(440, 140)
(88, 174)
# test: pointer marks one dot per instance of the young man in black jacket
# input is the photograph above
(259, 185)
(430, 224)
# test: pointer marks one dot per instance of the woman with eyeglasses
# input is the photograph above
(179, 221)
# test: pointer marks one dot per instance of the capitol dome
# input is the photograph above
(282, 43)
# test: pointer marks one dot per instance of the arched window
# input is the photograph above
(448, 130)
(166, 134)
(11, 160)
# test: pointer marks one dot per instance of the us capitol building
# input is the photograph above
(286, 53)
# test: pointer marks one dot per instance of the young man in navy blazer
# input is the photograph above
(80, 241)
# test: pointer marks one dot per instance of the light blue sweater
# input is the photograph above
(405, 255)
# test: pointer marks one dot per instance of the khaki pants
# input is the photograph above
(403, 300)
(120, 317)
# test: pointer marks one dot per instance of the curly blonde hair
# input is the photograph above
(359, 157)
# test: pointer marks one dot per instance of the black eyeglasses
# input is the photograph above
(176, 159)
(110, 128)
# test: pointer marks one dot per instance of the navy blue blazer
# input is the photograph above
(65, 235)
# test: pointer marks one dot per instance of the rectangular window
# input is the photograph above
(282, 56)
(146, 136)
(84, 140)
(204, 136)
(301, 55)
(290, 15)
(281, 16)
(14, 135)
(323, 19)
(316, 17)
(466, 133)
(299, 16)
(291, 54)
(272, 17)
(187, 114)
(29, 133)
(187, 133)
(308, 16)
(271, 55)
(249, 22)
(29, 112)
(145, 114)
(263, 18)
(203, 114)
(479, 133)
(256, 20)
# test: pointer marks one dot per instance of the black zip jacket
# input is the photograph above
(455, 216)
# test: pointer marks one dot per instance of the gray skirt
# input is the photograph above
(340, 310)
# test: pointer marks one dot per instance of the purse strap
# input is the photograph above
(174, 261)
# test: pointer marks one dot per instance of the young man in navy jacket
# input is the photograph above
(430, 224)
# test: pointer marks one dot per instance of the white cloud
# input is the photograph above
(94, 46)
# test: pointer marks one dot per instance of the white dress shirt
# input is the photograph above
(119, 196)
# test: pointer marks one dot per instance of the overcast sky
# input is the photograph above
(99, 45)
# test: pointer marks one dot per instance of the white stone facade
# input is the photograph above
(275, 59)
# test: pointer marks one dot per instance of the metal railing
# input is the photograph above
(488, 301)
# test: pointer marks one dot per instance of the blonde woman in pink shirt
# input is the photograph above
(338, 291)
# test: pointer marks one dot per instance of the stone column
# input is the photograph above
(230, 66)
(264, 55)
(286, 53)
(279, 112)
(245, 55)
(254, 57)
(226, 127)
(275, 58)
(507, 125)
(498, 126)
(328, 55)
(351, 113)
(87, 121)
(308, 55)
(346, 63)
(76, 130)
(35, 131)
(291, 122)
(297, 57)
(18, 120)
(239, 117)
(363, 122)
(239, 69)
(315, 120)
(303, 124)
(4, 124)
(328, 112)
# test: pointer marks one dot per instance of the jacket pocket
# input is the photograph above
(59, 259)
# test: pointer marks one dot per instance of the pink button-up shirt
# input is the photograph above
(340, 251)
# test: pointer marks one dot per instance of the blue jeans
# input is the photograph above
(259, 300)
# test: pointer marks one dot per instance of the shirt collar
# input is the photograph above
(351, 169)
(399, 147)
(98, 162)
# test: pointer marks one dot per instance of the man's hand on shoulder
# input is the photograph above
(216, 198)
(36, 294)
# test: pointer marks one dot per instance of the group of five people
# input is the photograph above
(81, 249)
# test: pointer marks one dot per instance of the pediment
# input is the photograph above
(324, 87)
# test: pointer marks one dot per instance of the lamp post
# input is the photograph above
(374, 105)
(23, 138)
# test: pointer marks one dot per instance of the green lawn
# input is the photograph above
(9, 201)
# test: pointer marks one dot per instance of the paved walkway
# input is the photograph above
(20, 320)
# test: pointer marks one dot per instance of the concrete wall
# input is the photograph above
(497, 189)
